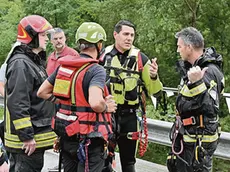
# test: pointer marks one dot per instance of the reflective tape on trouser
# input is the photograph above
(204, 138)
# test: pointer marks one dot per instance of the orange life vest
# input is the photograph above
(74, 109)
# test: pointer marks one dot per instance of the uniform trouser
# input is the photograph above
(127, 148)
(188, 155)
(96, 156)
(20, 162)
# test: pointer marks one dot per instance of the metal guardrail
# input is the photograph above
(159, 133)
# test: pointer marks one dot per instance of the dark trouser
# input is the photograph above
(189, 156)
(22, 163)
(127, 147)
(96, 156)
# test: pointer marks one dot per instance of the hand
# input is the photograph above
(153, 68)
(111, 104)
(195, 73)
(29, 146)
(4, 167)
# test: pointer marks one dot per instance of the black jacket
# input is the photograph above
(27, 116)
(205, 101)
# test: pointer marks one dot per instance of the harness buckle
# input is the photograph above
(133, 135)
(189, 121)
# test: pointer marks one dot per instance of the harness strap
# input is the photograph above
(95, 122)
(200, 120)
(74, 108)
(178, 125)
(119, 70)
(189, 121)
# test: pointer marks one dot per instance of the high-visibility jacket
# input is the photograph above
(74, 110)
(127, 80)
(199, 101)
(26, 116)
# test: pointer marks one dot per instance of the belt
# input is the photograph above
(199, 120)
(76, 108)
(189, 121)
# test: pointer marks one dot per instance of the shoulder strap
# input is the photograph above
(73, 86)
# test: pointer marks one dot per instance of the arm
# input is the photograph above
(2, 84)
(19, 87)
(202, 95)
(96, 99)
(95, 93)
(150, 77)
(2, 78)
(20, 84)
(45, 91)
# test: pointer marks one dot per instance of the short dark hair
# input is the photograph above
(121, 23)
(191, 36)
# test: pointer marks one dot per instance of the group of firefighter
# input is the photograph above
(88, 103)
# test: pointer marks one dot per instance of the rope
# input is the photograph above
(143, 143)
(178, 125)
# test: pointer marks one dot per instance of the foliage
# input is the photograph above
(10, 15)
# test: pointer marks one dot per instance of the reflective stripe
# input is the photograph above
(66, 117)
(39, 144)
(66, 70)
(212, 84)
(204, 138)
(61, 86)
(194, 91)
(22, 123)
(170, 157)
(74, 82)
(7, 120)
(37, 137)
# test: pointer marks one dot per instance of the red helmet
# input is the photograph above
(30, 26)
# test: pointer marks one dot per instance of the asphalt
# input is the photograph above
(51, 160)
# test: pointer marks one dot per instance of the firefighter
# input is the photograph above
(129, 71)
(28, 131)
(78, 87)
(195, 132)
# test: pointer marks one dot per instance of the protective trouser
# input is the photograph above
(188, 156)
(96, 156)
(127, 147)
(21, 162)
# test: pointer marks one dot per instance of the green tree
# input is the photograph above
(10, 14)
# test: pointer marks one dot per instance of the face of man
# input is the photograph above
(183, 49)
(58, 41)
(43, 40)
(124, 39)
